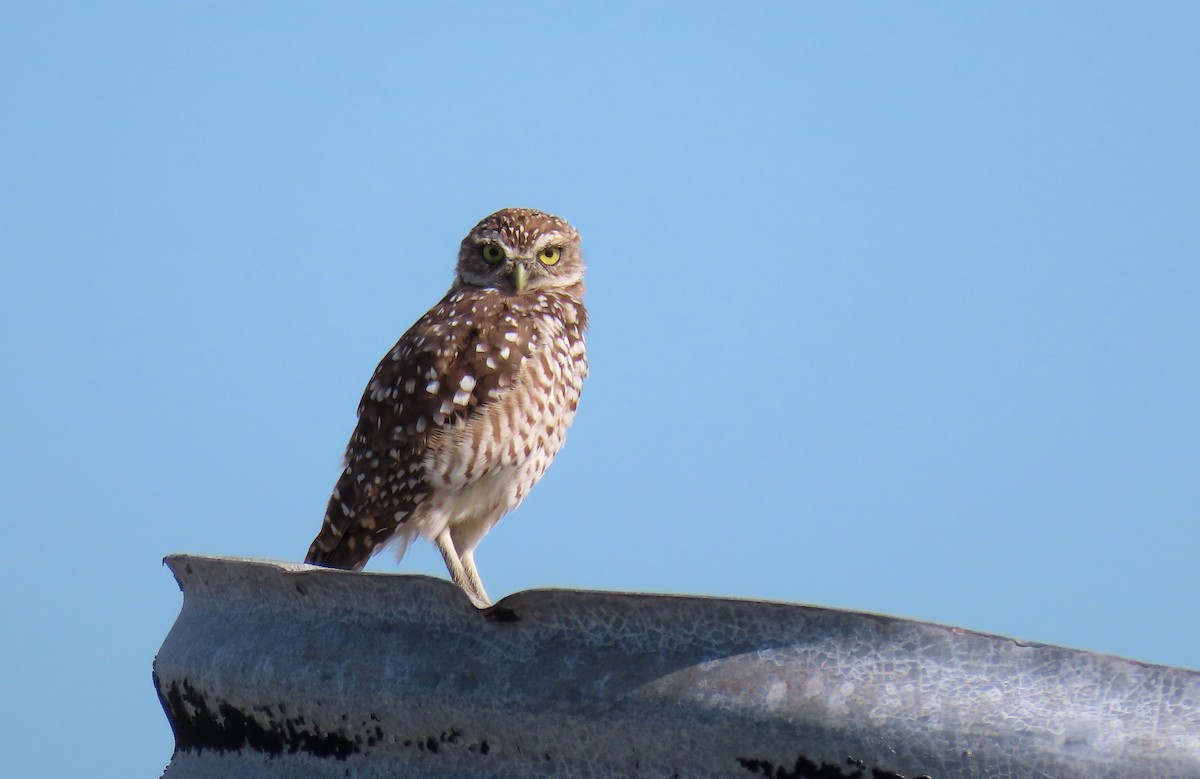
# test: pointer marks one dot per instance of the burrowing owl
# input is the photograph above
(464, 414)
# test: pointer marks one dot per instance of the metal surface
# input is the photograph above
(278, 670)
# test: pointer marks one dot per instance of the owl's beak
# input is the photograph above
(520, 276)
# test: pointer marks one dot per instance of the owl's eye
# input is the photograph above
(492, 253)
(550, 255)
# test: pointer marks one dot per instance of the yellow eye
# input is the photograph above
(550, 255)
(492, 253)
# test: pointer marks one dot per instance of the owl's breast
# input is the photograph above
(519, 426)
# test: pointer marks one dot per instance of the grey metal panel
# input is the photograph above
(288, 670)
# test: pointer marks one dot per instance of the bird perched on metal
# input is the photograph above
(465, 413)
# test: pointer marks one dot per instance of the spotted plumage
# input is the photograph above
(464, 414)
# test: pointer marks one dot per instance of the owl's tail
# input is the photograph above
(341, 542)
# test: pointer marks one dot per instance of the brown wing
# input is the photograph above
(464, 354)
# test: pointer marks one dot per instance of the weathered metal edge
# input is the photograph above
(281, 669)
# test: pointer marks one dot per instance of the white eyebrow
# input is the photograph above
(547, 239)
(493, 237)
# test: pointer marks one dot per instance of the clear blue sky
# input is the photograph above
(896, 307)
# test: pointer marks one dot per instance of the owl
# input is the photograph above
(465, 413)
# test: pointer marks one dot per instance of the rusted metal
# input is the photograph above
(276, 670)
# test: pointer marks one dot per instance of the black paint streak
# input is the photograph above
(222, 727)
(809, 769)
(201, 724)
(435, 744)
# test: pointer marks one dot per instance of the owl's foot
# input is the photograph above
(500, 614)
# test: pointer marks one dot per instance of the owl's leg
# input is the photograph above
(468, 563)
(458, 573)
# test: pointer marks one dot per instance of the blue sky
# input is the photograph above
(895, 308)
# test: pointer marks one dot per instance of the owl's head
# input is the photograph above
(520, 250)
